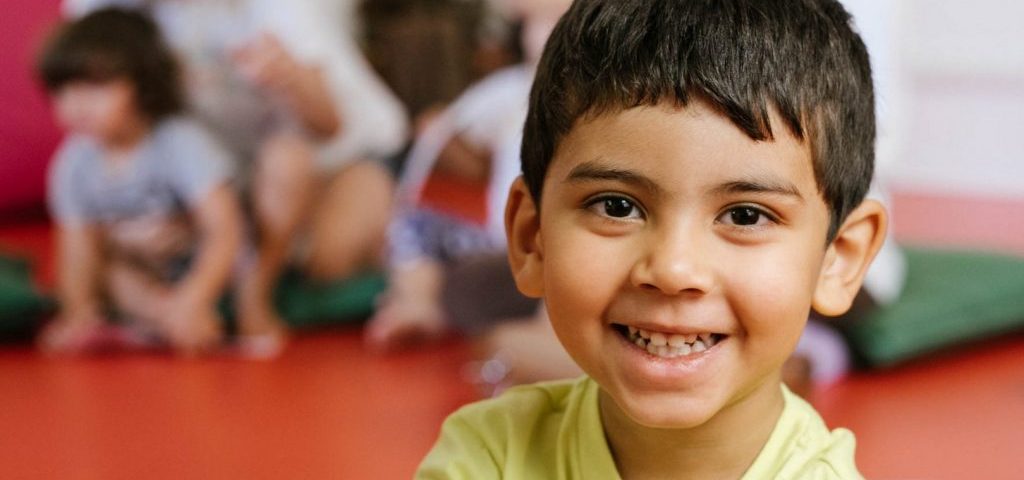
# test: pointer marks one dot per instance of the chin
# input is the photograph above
(669, 412)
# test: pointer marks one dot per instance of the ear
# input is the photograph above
(848, 257)
(522, 227)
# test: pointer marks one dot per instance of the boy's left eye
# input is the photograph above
(745, 216)
(615, 207)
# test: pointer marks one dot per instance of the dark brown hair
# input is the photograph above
(801, 57)
(112, 43)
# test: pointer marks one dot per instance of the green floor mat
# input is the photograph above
(304, 303)
(21, 304)
(950, 298)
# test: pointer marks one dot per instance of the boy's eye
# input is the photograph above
(615, 207)
(745, 216)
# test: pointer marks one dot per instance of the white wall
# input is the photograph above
(961, 124)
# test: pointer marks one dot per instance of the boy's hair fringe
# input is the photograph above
(800, 57)
(112, 43)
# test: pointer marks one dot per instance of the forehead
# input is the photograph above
(681, 148)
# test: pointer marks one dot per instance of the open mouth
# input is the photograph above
(669, 345)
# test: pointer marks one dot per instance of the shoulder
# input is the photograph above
(74, 153)
(179, 128)
(185, 154)
(75, 148)
(517, 406)
(829, 452)
(189, 142)
(802, 445)
(72, 175)
(507, 435)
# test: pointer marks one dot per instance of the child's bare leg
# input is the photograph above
(137, 295)
(349, 223)
(411, 311)
(281, 193)
(147, 302)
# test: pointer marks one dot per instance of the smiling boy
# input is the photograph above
(694, 181)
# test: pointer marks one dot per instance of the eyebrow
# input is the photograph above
(598, 170)
(762, 186)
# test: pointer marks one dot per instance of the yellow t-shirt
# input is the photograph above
(553, 431)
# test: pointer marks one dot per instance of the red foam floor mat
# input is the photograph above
(329, 409)
(956, 416)
(325, 409)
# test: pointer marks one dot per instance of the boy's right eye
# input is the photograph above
(615, 207)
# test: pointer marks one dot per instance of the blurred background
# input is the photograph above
(935, 386)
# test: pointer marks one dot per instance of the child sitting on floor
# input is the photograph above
(477, 139)
(148, 225)
(693, 184)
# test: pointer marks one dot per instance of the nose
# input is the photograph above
(675, 261)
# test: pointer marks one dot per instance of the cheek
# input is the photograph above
(112, 105)
(569, 284)
(68, 109)
(582, 273)
(112, 111)
(580, 264)
(771, 292)
(63, 111)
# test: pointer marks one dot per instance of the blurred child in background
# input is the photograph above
(282, 85)
(148, 225)
(475, 139)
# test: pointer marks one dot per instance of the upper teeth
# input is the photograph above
(671, 345)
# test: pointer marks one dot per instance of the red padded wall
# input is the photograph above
(28, 135)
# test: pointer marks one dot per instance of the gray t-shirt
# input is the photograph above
(174, 168)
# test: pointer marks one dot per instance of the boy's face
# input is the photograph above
(672, 223)
(104, 110)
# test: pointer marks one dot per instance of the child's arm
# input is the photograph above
(79, 266)
(78, 263)
(193, 318)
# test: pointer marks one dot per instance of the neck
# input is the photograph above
(723, 447)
